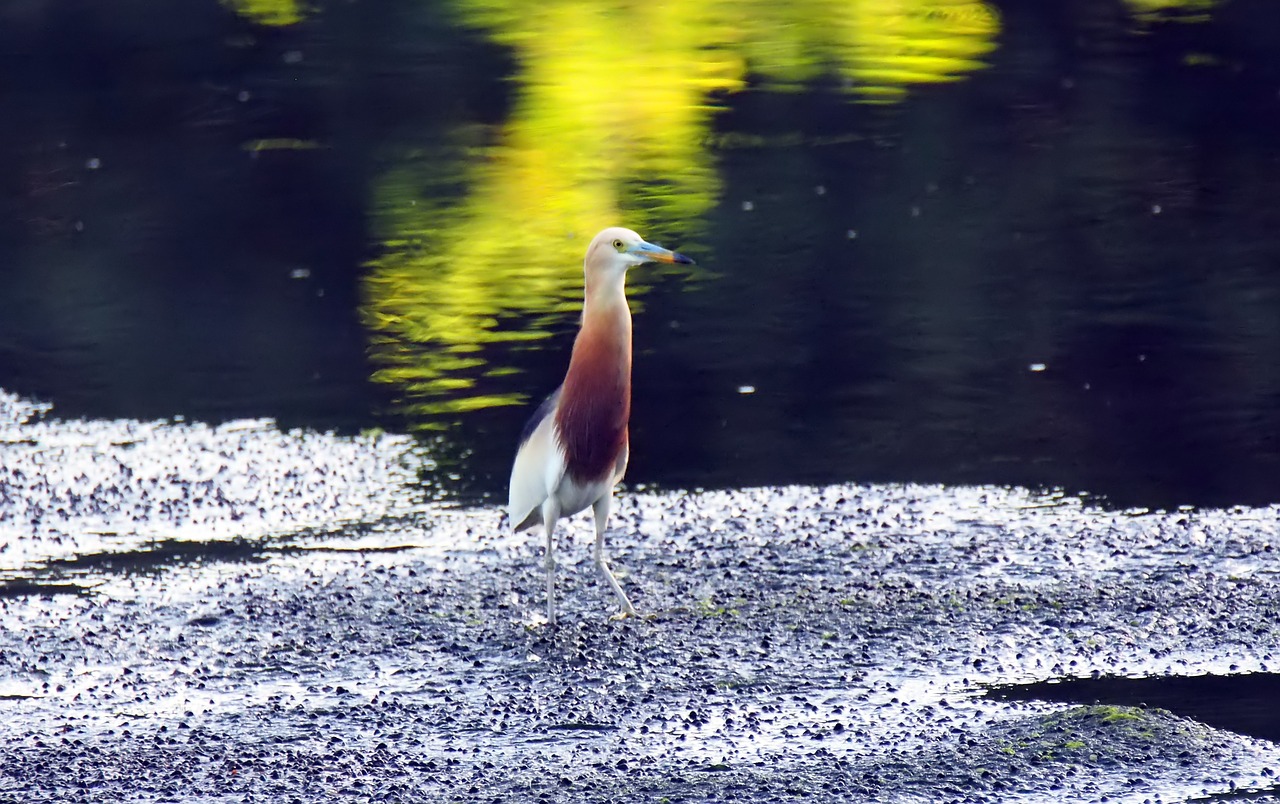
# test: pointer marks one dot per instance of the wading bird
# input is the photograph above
(574, 449)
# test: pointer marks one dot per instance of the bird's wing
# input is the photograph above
(620, 468)
(538, 468)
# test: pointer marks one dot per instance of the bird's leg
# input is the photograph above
(550, 513)
(601, 510)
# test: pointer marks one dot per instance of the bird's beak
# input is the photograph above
(651, 253)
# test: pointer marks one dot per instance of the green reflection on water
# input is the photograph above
(267, 12)
(879, 48)
(1180, 10)
(483, 239)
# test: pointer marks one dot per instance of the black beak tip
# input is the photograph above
(683, 260)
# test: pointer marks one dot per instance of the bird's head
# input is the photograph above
(615, 250)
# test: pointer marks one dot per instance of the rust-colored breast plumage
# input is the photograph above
(595, 402)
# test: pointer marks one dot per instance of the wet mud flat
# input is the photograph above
(212, 614)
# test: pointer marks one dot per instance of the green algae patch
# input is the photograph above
(1099, 735)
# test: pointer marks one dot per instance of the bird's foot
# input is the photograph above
(629, 613)
(538, 621)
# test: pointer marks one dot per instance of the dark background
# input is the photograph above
(187, 225)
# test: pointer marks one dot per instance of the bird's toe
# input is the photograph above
(631, 613)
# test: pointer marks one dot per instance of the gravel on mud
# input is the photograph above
(235, 613)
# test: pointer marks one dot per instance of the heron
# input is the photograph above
(574, 449)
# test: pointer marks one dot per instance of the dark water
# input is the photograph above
(939, 241)
(1242, 702)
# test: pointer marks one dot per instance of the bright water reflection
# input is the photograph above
(601, 131)
(268, 12)
(937, 242)
(606, 127)
(1183, 10)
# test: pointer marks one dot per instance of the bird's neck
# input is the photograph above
(603, 345)
(595, 400)
(604, 307)
(604, 288)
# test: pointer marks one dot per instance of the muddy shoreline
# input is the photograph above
(341, 636)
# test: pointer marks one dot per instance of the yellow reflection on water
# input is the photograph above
(1181, 10)
(600, 123)
(898, 44)
(879, 48)
(267, 12)
(609, 126)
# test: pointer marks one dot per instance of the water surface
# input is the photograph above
(955, 241)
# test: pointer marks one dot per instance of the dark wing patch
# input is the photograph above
(544, 410)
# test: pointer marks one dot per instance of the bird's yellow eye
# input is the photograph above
(618, 245)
